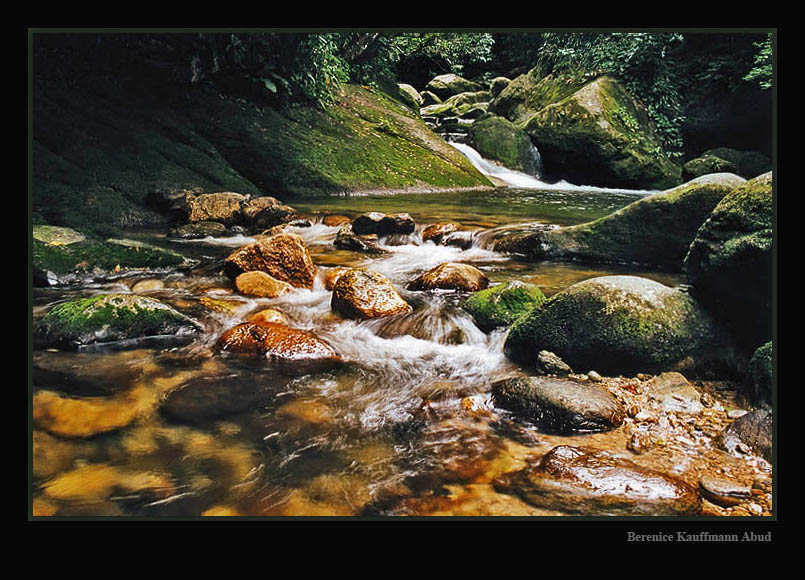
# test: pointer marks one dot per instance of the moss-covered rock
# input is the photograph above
(503, 304)
(501, 140)
(410, 96)
(429, 98)
(729, 262)
(707, 164)
(760, 373)
(463, 99)
(622, 325)
(497, 85)
(57, 236)
(600, 135)
(748, 164)
(108, 318)
(528, 93)
(447, 85)
(57, 262)
(656, 230)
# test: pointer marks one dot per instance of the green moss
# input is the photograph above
(531, 92)
(109, 317)
(499, 139)
(760, 373)
(90, 254)
(503, 304)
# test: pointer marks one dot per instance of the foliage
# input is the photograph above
(764, 67)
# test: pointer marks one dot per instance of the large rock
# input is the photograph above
(360, 293)
(707, 164)
(347, 239)
(447, 85)
(501, 140)
(601, 136)
(752, 432)
(656, 230)
(729, 262)
(57, 236)
(410, 96)
(224, 207)
(559, 405)
(528, 93)
(293, 351)
(435, 232)
(760, 373)
(283, 256)
(109, 318)
(451, 276)
(497, 85)
(382, 224)
(463, 99)
(260, 284)
(748, 164)
(590, 482)
(503, 304)
(624, 325)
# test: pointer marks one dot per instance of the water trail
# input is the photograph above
(525, 181)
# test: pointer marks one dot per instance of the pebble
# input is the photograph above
(723, 491)
(594, 377)
(755, 509)
(645, 417)
(638, 443)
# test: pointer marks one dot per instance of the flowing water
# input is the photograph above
(404, 427)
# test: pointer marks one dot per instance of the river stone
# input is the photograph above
(109, 318)
(283, 256)
(96, 482)
(753, 430)
(559, 405)
(145, 286)
(446, 85)
(268, 315)
(336, 220)
(451, 276)
(347, 239)
(361, 293)
(368, 223)
(260, 284)
(331, 276)
(198, 230)
(502, 304)
(435, 232)
(760, 374)
(57, 236)
(729, 263)
(293, 351)
(587, 481)
(655, 230)
(624, 325)
(550, 364)
(675, 394)
(398, 223)
(224, 207)
(722, 491)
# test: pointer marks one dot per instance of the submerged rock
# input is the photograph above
(600, 135)
(749, 433)
(503, 304)
(451, 276)
(109, 318)
(293, 351)
(260, 284)
(587, 481)
(559, 405)
(98, 482)
(361, 293)
(283, 256)
(624, 325)
(729, 262)
(193, 231)
(655, 230)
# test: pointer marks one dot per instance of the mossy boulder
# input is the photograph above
(707, 164)
(497, 85)
(429, 98)
(656, 230)
(600, 135)
(528, 93)
(501, 140)
(410, 96)
(760, 373)
(57, 236)
(108, 318)
(729, 262)
(748, 164)
(503, 304)
(463, 99)
(57, 263)
(447, 85)
(623, 325)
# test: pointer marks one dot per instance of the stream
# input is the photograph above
(405, 427)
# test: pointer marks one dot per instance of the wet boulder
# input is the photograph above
(583, 480)
(368, 223)
(347, 239)
(260, 284)
(197, 230)
(729, 263)
(502, 304)
(223, 207)
(435, 232)
(109, 318)
(451, 276)
(446, 85)
(600, 135)
(751, 433)
(655, 230)
(562, 406)
(293, 351)
(501, 140)
(268, 315)
(335, 220)
(381, 224)
(360, 293)
(283, 256)
(622, 325)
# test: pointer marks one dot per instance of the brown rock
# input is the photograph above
(335, 220)
(260, 284)
(435, 232)
(361, 293)
(368, 223)
(722, 491)
(268, 315)
(222, 207)
(347, 239)
(591, 482)
(451, 276)
(331, 276)
(283, 256)
(294, 351)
